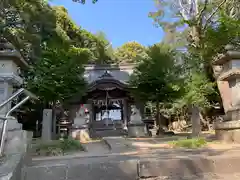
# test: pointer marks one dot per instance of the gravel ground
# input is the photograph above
(210, 176)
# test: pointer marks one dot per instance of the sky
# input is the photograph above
(121, 20)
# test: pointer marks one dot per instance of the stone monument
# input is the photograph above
(136, 127)
(80, 127)
(229, 129)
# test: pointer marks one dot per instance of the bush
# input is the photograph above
(189, 143)
(57, 147)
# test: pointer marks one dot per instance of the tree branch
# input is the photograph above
(203, 10)
(183, 11)
(213, 13)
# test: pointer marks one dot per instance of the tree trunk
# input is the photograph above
(157, 123)
(196, 121)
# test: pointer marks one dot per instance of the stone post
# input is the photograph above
(229, 129)
(47, 125)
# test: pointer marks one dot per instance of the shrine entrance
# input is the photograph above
(109, 101)
(107, 105)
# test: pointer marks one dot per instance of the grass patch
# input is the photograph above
(189, 143)
(56, 147)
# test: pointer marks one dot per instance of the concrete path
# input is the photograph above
(97, 147)
(131, 167)
(130, 159)
(206, 176)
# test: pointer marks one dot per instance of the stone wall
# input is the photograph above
(15, 156)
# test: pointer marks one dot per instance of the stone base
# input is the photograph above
(81, 134)
(136, 130)
(228, 131)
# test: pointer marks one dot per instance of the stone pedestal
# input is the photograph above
(228, 131)
(81, 133)
(136, 127)
(136, 130)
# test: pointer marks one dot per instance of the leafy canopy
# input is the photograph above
(155, 77)
(130, 52)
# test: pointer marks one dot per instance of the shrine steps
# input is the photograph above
(107, 132)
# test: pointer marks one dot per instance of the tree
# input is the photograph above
(130, 52)
(22, 22)
(79, 37)
(155, 78)
(109, 51)
(197, 16)
(58, 74)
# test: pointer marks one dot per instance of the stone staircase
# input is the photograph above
(107, 133)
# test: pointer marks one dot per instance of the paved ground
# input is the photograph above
(97, 147)
(149, 159)
(207, 176)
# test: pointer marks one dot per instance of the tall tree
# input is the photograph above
(57, 75)
(109, 51)
(22, 22)
(80, 37)
(197, 16)
(130, 52)
(155, 78)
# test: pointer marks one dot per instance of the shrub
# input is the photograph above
(189, 143)
(56, 147)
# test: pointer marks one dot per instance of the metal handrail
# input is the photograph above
(14, 95)
(7, 116)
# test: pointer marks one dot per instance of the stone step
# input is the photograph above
(108, 133)
(127, 167)
(203, 176)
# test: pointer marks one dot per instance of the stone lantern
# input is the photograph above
(10, 63)
(229, 129)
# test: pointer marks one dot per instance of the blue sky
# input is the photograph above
(120, 20)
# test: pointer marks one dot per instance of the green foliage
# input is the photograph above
(56, 148)
(130, 52)
(58, 75)
(197, 90)
(214, 45)
(155, 77)
(109, 51)
(22, 23)
(189, 143)
(78, 37)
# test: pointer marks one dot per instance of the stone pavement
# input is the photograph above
(206, 176)
(129, 159)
